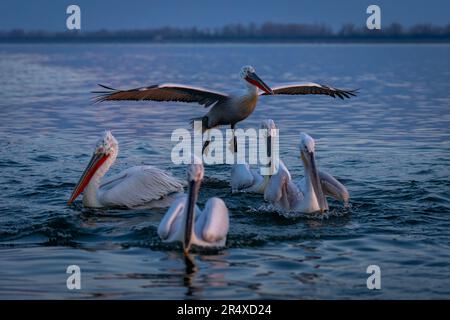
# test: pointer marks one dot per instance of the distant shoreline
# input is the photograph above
(239, 33)
(231, 41)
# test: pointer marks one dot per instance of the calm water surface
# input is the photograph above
(390, 146)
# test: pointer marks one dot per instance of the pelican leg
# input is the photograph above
(208, 139)
(205, 145)
(205, 148)
(233, 126)
(333, 188)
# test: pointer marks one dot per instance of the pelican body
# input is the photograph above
(185, 222)
(246, 179)
(225, 109)
(134, 187)
(309, 194)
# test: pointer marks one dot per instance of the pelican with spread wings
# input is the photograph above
(226, 109)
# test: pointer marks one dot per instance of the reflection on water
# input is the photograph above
(191, 269)
(389, 146)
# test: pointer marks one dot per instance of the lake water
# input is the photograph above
(389, 146)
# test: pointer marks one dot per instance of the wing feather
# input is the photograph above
(137, 186)
(171, 221)
(162, 92)
(313, 88)
(274, 189)
(332, 187)
(214, 222)
(241, 177)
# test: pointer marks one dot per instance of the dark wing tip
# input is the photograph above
(98, 99)
(346, 93)
(110, 90)
(103, 95)
(353, 92)
(106, 87)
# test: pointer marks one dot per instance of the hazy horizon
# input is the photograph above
(48, 15)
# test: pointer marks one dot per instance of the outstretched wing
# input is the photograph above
(312, 88)
(162, 92)
(138, 186)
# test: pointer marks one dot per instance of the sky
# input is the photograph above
(51, 15)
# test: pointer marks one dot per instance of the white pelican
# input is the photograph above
(226, 109)
(308, 195)
(246, 179)
(185, 222)
(133, 187)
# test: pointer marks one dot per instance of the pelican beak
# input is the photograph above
(96, 162)
(190, 214)
(315, 181)
(269, 146)
(257, 81)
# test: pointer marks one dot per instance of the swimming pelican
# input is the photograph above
(308, 195)
(185, 222)
(246, 179)
(226, 109)
(133, 187)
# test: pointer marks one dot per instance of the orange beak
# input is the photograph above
(94, 164)
(257, 81)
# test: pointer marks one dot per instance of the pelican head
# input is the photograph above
(107, 144)
(106, 148)
(270, 131)
(270, 127)
(248, 74)
(195, 173)
(195, 170)
(307, 153)
(307, 143)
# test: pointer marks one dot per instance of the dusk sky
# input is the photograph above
(140, 14)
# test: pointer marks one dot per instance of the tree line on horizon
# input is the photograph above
(268, 31)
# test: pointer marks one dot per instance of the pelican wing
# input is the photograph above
(241, 177)
(281, 191)
(333, 188)
(275, 189)
(138, 186)
(212, 223)
(162, 92)
(313, 88)
(171, 221)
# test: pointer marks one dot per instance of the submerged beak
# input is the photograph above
(190, 215)
(96, 161)
(315, 181)
(256, 81)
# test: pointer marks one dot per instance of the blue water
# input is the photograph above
(389, 146)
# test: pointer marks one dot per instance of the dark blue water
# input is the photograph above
(390, 146)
